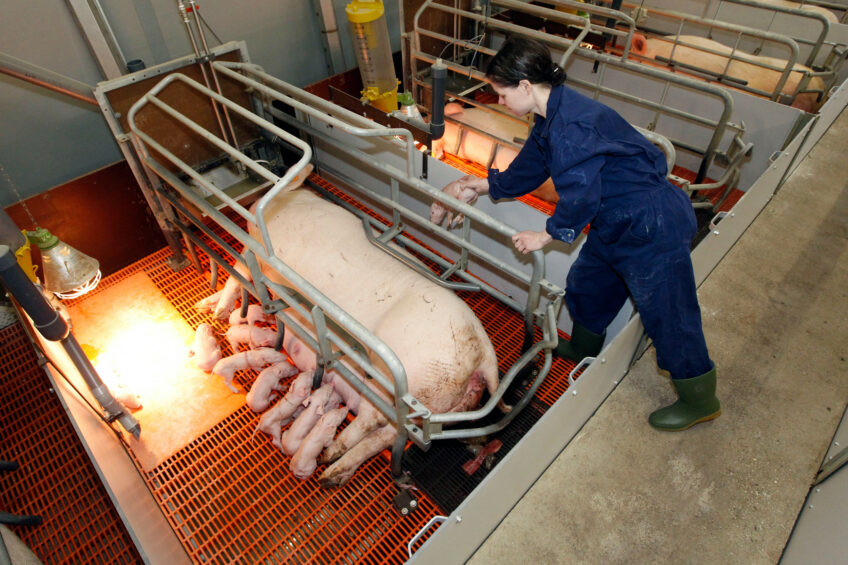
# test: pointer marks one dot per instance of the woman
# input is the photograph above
(607, 174)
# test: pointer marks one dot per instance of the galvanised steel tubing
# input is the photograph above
(550, 288)
(817, 44)
(399, 386)
(279, 183)
(609, 13)
(661, 140)
(291, 323)
(193, 174)
(421, 186)
(202, 36)
(451, 417)
(314, 294)
(505, 26)
(184, 14)
(538, 266)
(280, 290)
(586, 23)
(562, 17)
(300, 94)
(414, 265)
(335, 122)
(719, 125)
(220, 144)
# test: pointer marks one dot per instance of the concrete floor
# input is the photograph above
(728, 491)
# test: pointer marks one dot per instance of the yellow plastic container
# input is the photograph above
(373, 53)
(24, 258)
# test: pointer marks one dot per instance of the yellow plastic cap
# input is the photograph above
(364, 11)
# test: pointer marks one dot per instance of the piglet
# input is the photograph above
(268, 381)
(350, 396)
(289, 407)
(318, 403)
(254, 336)
(253, 359)
(205, 349)
(254, 316)
(207, 305)
(304, 462)
(455, 189)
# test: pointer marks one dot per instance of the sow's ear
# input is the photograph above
(301, 176)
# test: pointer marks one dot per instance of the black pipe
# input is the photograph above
(439, 72)
(45, 319)
(10, 233)
(16, 520)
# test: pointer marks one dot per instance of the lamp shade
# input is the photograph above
(67, 271)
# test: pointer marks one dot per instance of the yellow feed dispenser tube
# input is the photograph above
(373, 53)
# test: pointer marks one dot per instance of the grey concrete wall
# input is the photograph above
(47, 139)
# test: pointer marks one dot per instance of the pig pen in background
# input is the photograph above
(749, 30)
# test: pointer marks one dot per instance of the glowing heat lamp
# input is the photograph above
(68, 272)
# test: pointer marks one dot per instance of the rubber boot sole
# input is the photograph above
(712, 416)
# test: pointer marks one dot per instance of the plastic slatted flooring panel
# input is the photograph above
(230, 496)
(56, 479)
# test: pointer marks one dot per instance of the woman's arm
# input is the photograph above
(527, 171)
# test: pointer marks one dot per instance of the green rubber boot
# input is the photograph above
(584, 343)
(697, 403)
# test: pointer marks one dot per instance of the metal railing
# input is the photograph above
(340, 340)
(566, 50)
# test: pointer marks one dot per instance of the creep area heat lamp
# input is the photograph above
(67, 272)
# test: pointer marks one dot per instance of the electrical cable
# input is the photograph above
(212, 31)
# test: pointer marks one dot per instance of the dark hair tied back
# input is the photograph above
(519, 59)
(557, 75)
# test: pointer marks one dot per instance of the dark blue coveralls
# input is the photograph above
(608, 174)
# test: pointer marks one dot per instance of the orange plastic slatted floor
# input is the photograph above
(56, 479)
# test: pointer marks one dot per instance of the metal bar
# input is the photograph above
(196, 50)
(414, 265)
(821, 19)
(333, 54)
(202, 36)
(46, 78)
(99, 36)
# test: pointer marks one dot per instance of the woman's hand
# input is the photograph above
(528, 241)
(464, 190)
(478, 185)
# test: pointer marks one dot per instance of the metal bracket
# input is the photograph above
(420, 435)
(404, 502)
